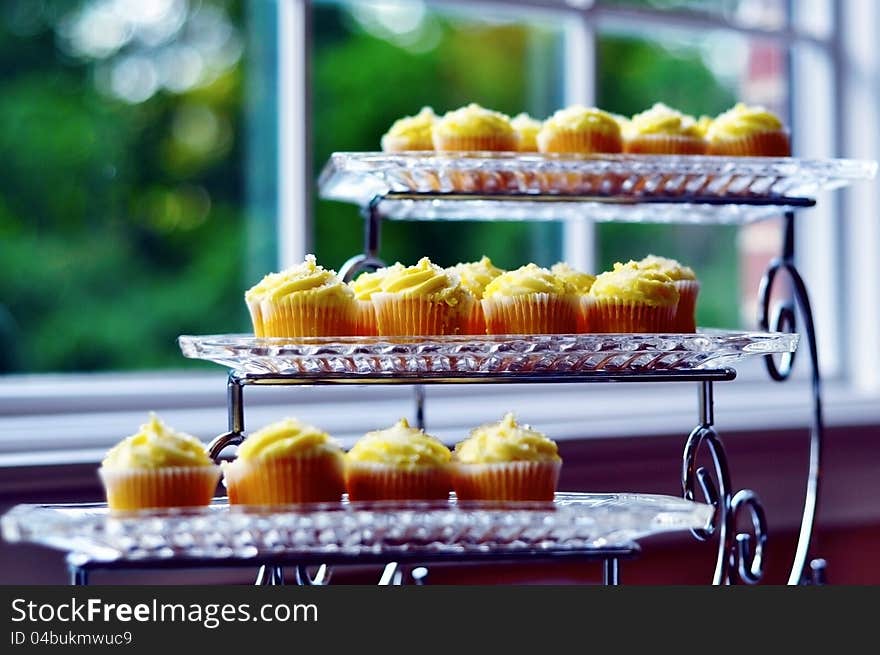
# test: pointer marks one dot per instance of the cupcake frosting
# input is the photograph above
(415, 130)
(475, 276)
(578, 117)
(526, 280)
(400, 445)
(424, 279)
(743, 120)
(473, 120)
(367, 284)
(307, 277)
(527, 129)
(629, 282)
(286, 438)
(154, 446)
(506, 441)
(663, 120)
(578, 280)
(674, 269)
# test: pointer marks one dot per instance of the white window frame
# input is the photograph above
(67, 418)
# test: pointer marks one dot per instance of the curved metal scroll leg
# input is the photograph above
(321, 577)
(740, 557)
(270, 575)
(784, 319)
(716, 495)
(749, 558)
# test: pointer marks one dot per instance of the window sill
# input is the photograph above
(65, 419)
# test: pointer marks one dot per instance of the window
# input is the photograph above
(123, 198)
(181, 141)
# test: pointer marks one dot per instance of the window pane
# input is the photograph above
(698, 74)
(376, 62)
(121, 202)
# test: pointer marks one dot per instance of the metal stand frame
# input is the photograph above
(740, 556)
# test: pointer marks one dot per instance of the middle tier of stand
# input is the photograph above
(490, 358)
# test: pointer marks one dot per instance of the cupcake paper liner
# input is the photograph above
(537, 313)
(506, 481)
(475, 143)
(398, 315)
(374, 481)
(579, 141)
(614, 316)
(471, 317)
(309, 479)
(303, 315)
(685, 318)
(764, 144)
(665, 144)
(365, 318)
(584, 315)
(178, 486)
(405, 144)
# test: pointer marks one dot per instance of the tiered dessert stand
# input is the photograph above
(581, 526)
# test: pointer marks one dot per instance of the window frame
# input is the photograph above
(63, 418)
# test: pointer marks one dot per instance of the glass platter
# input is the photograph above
(573, 522)
(643, 188)
(498, 356)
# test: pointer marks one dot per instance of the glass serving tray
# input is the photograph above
(533, 186)
(498, 356)
(573, 522)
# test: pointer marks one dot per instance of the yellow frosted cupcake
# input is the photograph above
(632, 299)
(703, 124)
(411, 132)
(505, 461)
(579, 129)
(527, 129)
(286, 462)
(581, 283)
(529, 300)
(688, 289)
(474, 128)
(748, 131)
(363, 288)
(474, 277)
(398, 463)
(306, 300)
(663, 130)
(420, 300)
(158, 467)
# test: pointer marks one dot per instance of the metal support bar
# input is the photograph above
(611, 572)
(784, 319)
(419, 392)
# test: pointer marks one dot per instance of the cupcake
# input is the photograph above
(663, 130)
(418, 300)
(748, 131)
(579, 129)
(527, 129)
(580, 282)
(398, 463)
(286, 462)
(632, 299)
(529, 300)
(505, 461)
(474, 277)
(363, 288)
(303, 301)
(688, 288)
(158, 467)
(474, 128)
(411, 132)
